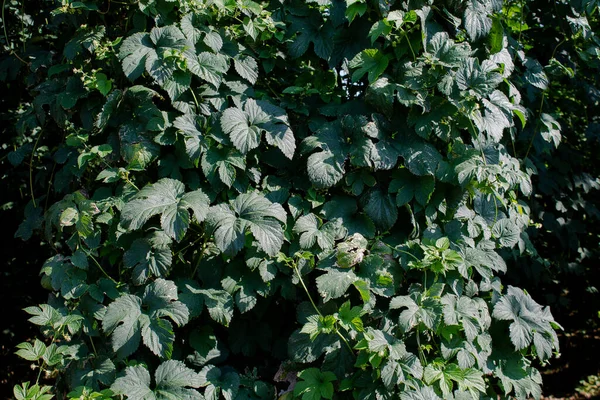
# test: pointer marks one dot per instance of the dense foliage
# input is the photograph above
(303, 199)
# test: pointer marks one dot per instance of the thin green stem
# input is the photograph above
(406, 252)
(344, 340)
(8, 43)
(421, 353)
(409, 45)
(188, 245)
(49, 186)
(93, 346)
(537, 124)
(306, 289)
(4, 24)
(31, 168)
(98, 264)
(195, 99)
(316, 309)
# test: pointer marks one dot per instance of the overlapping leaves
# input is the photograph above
(383, 233)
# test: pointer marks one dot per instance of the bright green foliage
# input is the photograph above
(354, 188)
(315, 385)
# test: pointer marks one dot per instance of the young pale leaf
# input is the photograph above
(166, 197)
(370, 61)
(315, 384)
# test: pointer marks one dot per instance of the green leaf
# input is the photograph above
(421, 158)
(349, 318)
(382, 209)
(34, 392)
(496, 37)
(334, 284)
(355, 7)
(476, 19)
(421, 393)
(351, 251)
(312, 30)
(325, 169)
(517, 375)
(535, 74)
(370, 61)
(219, 165)
(150, 52)
(379, 28)
(149, 257)
(188, 124)
(444, 51)
(427, 311)
(129, 318)
(550, 129)
(136, 147)
(245, 127)
(86, 38)
(312, 230)
(241, 127)
(246, 67)
(407, 186)
(31, 352)
(507, 232)
(381, 272)
(173, 381)
(166, 197)
(471, 314)
(315, 384)
(208, 66)
(249, 211)
(530, 322)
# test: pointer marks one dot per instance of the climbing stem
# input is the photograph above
(306, 289)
